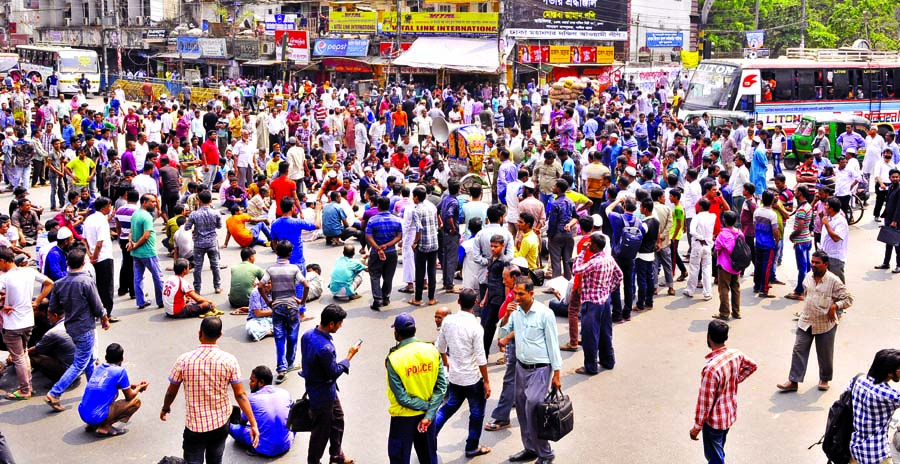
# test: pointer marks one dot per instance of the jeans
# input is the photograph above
(474, 395)
(152, 264)
(507, 393)
(16, 341)
(561, 246)
(621, 307)
(126, 272)
(403, 435)
(801, 252)
(211, 445)
(547, 200)
(776, 163)
(83, 362)
(714, 444)
(596, 337)
(449, 257)
(644, 272)
(199, 256)
(701, 263)
(738, 201)
(57, 190)
(762, 268)
(286, 326)
(381, 274)
(426, 261)
(260, 228)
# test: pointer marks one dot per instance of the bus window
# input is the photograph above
(784, 81)
(856, 84)
(747, 103)
(890, 79)
(841, 85)
(819, 85)
(806, 84)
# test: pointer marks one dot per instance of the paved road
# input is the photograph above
(639, 412)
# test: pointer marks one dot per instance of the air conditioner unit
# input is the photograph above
(268, 48)
(139, 21)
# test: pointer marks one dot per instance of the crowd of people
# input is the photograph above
(589, 199)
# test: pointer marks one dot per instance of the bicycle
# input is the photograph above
(857, 208)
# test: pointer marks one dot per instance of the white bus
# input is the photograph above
(822, 82)
(69, 64)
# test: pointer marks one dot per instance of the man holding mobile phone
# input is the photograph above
(321, 371)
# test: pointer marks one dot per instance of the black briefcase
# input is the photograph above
(557, 418)
(889, 235)
(300, 419)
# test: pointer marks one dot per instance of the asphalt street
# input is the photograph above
(641, 411)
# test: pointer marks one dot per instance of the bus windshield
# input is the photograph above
(711, 86)
(78, 64)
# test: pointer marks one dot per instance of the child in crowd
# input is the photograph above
(314, 279)
(180, 299)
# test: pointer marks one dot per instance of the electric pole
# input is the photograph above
(399, 46)
(802, 24)
(756, 17)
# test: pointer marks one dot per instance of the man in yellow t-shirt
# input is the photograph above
(529, 245)
(81, 170)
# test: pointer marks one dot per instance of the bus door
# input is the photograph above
(875, 78)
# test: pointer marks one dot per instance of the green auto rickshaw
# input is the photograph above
(805, 135)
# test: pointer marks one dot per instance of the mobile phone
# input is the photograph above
(358, 343)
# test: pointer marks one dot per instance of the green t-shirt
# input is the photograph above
(677, 215)
(141, 222)
(243, 277)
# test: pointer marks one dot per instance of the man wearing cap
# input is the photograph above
(820, 162)
(416, 388)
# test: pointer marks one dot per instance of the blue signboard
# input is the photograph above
(340, 47)
(665, 39)
(189, 47)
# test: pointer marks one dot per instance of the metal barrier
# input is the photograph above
(134, 89)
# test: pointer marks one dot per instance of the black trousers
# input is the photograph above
(426, 261)
(200, 445)
(6, 456)
(327, 426)
(106, 270)
(126, 272)
(169, 200)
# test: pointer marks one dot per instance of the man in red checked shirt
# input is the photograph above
(716, 404)
(600, 276)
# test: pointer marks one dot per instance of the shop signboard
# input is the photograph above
(568, 19)
(353, 22)
(606, 55)
(665, 39)
(564, 54)
(280, 22)
(297, 46)
(246, 49)
(213, 48)
(188, 47)
(340, 47)
(389, 49)
(452, 24)
(560, 54)
(155, 34)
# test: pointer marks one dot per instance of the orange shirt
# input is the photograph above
(236, 225)
(399, 119)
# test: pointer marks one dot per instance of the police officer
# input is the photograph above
(416, 388)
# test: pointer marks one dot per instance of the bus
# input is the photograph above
(69, 64)
(819, 82)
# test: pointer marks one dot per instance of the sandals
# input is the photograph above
(54, 403)
(280, 378)
(569, 347)
(17, 396)
(496, 425)
(342, 460)
(113, 432)
(414, 302)
(794, 296)
(481, 451)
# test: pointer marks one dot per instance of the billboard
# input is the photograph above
(568, 19)
(340, 47)
(460, 24)
(297, 46)
(665, 39)
(353, 22)
(280, 22)
(188, 47)
(564, 54)
(213, 48)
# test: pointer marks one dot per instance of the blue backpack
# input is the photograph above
(629, 241)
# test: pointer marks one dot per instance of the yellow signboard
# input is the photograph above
(605, 55)
(690, 60)
(441, 23)
(353, 22)
(560, 54)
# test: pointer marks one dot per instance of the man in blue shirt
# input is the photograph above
(561, 240)
(271, 406)
(335, 225)
(289, 227)
(383, 231)
(55, 263)
(622, 309)
(99, 408)
(321, 371)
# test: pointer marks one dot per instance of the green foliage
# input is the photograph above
(830, 23)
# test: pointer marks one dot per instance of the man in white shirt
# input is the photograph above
(376, 132)
(740, 175)
(845, 182)
(462, 335)
(145, 183)
(546, 110)
(689, 200)
(141, 148)
(100, 251)
(874, 147)
(277, 126)
(701, 229)
(243, 153)
(835, 232)
(296, 159)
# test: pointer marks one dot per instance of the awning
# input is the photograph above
(174, 55)
(453, 53)
(262, 63)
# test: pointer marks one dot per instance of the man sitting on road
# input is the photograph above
(335, 224)
(99, 408)
(236, 227)
(55, 351)
(179, 297)
(346, 278)
(271, 406)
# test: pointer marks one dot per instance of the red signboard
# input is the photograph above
(297, 46)
(542, 54)
(389, 49)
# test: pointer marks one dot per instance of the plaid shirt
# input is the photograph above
(383, 227)
(206, 220)
(717, 404)
(206, 373)
(873, 406)
(600, 275)
(819, 297)
(425, 216)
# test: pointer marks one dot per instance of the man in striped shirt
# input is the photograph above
(123, 230)
(287, 307)
(802, 239)
(716, 403)
(600, 275)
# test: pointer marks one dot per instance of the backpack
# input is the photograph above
(839, 428)
(740, 255)
(629, 242)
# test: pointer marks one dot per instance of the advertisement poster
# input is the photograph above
(461, 24)
(340, 47)
(569, 19)
(297, 46)
(756, 39)
(280, 22)
(353, 22)
(564, 54)
(665, 39)
(389, 49)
